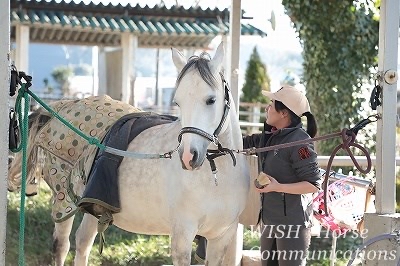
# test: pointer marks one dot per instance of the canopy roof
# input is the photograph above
(98, 24)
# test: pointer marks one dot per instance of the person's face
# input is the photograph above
(274, 117)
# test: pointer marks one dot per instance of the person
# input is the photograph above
(293, 172)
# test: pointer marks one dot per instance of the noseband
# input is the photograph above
(212, 154)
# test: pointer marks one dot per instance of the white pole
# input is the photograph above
(233, 79)
(4, 85)
(22, 51)
(386, 133)
(129, 44)
(95, 68)
(234, 50)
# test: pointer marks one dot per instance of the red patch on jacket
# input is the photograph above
(304, 153)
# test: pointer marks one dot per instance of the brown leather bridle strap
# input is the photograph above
(252, 151)
(348, 137)
(354, 130)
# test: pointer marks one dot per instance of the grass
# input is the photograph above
(38, 239)
(122, 248)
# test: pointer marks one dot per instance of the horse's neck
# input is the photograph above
(232, 136)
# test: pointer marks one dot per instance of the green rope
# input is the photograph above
(23, 146)
(24, 92)
(91, 140)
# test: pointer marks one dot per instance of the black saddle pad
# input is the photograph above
(102, 182)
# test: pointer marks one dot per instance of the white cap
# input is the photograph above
(292, 98)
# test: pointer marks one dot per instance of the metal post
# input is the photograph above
(385, 220)
(4, 84)
(386, 133)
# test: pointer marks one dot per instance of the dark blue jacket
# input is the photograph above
(287, 165)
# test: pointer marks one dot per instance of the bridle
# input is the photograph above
(211, 153)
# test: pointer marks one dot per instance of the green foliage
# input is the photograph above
(256, 79)
(339, 40)
(344, 245)
(398, 191)
(251, 239)
(61, 75)
(121, 248)
(38, 230)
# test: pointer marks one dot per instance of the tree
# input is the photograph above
(339, 40)
(256, 79)
(61, 75)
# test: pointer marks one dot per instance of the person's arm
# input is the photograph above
(304, 161)
(301, 187)
(257, 140)
(251, 141)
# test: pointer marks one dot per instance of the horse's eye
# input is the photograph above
(210, 101)
(175, 103)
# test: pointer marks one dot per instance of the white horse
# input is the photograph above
(180, 197)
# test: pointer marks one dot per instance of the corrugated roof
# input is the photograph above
(98, 24)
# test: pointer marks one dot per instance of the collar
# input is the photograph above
(268, 129)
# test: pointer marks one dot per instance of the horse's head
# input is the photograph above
(204, 101)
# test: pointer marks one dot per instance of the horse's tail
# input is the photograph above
(36, 121)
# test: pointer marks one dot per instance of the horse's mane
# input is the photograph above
(201, 64)
(36, 121)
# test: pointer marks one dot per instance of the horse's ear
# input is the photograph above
(178, 58)
(217, 61)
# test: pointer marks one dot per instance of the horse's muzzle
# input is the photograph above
(191, 160)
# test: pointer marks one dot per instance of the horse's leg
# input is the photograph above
(84, 238)
(217, 248)
(61, 240)
(234, 252)
(181, 244)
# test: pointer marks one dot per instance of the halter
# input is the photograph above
(212, 154)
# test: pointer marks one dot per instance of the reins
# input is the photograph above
(348, 137)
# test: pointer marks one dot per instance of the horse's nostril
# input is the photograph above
(195, 156)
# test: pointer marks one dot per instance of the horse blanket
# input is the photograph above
(71, 156)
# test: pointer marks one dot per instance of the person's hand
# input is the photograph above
(273, 186)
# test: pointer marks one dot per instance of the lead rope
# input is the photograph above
(95, 141)
(24, 92)
(213, 154)
(348, 137)
(23, 117)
